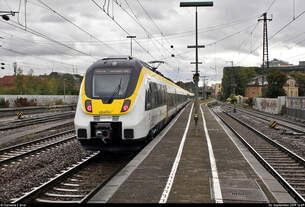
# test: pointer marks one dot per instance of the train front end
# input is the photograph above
(107, 110)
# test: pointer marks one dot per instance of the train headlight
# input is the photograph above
(88, 105)
(125, 106)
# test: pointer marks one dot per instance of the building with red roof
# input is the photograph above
(7, 81)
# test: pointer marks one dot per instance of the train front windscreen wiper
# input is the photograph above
(115, 92)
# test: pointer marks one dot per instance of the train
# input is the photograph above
(124, 101)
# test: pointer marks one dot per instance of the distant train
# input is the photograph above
(122, 100)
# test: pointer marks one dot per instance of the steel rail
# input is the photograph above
(56, 179)
(284, 183)
(281, 122)
(270, 116)
(281, 147)
(33, 121)
(3, 150)
(19, 156)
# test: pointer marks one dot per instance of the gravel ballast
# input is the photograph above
(21, 177)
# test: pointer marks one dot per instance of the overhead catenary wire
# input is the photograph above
(280, 30)
(135, 19)
(42, 58)
(152, 20)
(32, 31)
(229, 36)
(122, 28)
(158, 28)
(246, 40)
(62, 63)
(286, 25)
(150, 34)
(75, 25)
(269, 7)
(253, 50)
(39, 57)
(221, 26)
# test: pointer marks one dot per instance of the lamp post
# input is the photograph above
(131, 37)
(196, 76)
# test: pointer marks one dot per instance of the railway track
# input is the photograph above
(286, 125)
(4, 112)
(76, 184)
(20, 151)
(287, 167)
(293, 125)
(32, 121)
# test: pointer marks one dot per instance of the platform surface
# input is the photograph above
(146, 179)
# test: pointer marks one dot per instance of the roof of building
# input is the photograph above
(7, 81)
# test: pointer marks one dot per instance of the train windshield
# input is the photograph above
(110, 83)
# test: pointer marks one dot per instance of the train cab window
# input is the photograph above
(110, 83)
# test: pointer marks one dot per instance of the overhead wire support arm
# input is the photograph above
(5, 14)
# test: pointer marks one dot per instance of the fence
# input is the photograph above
(40, 99)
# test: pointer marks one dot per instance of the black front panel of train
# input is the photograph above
(98, 130)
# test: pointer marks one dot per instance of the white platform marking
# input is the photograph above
(215, 179)
(172, 175)
(113, 185)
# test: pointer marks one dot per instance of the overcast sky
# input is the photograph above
(69, 35)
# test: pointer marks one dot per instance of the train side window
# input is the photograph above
(164, 95)
(160, 92)
(157, 95)
(154, 95)
(148, 104)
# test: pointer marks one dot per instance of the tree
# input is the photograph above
(240, 76)
(300, 80)
(276, 80)
(18, 82)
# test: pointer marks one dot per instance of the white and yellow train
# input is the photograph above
(122, 100)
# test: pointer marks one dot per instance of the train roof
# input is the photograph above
(126, 61)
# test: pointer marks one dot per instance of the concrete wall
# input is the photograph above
(296, 102)
(269, 105)
(41, 99)
(295, 107)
